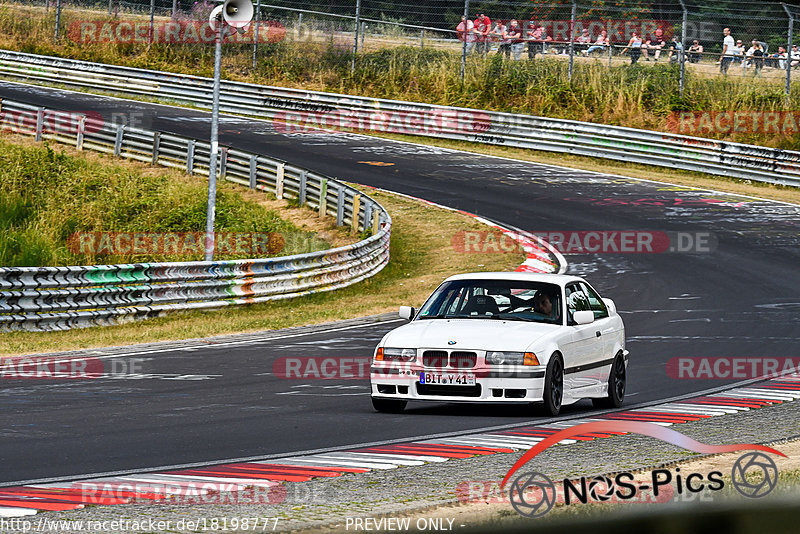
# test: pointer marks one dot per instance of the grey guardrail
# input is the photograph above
(58, 298)
(300, 109)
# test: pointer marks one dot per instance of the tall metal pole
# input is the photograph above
(682, 55)
(174, 9)
(212, 164)
(355, 39)
(58, 19)
(789, 54)
(464, 44)
(152, 17)
(255, 34)
(572, 21)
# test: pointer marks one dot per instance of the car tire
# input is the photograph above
(617, 378)
(553, 392)
(389, 405)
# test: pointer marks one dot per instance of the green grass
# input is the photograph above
(46, 196)
(422, 255)
(640, 96)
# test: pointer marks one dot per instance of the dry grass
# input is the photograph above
(422, 256)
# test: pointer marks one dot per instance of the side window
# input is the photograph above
(596, 304)
(576, 301)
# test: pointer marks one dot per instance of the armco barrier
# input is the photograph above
(581, 138)
(58, 298)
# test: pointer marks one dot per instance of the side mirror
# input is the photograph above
(406, 312)
(612, 308)
(583, 317)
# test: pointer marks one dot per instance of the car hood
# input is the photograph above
(475, 334)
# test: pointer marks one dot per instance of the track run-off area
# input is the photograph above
(737, 297)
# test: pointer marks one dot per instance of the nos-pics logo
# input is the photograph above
(533, 494)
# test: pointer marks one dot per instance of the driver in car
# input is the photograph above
(543, 303)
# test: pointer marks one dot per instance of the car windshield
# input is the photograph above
(512, 300)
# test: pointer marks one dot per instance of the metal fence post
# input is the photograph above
(255, 33)
(355, 40)
(683, 47)
(118, 140)
(174, 9)
(300, 24)
(363, 35)
(156, 145)
(422, 39)
(789, 54)
(323, 198)
(340, 207)
(376, 221)
(356, 210)
(152, 20)
(39, 124)
(572, 20)
(367, 214)
(301, 193)
(279, 173)
(190, 157)
(81, 132)
(223, 165)
(253, 171)
(464, 43)
(58, 19)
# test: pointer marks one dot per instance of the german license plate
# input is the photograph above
(447, 379)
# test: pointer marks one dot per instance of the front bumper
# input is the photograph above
(493, 384)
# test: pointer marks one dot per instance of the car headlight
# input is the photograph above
(396, 355)
(511, 358)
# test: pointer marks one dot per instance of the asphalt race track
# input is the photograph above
(740, 299)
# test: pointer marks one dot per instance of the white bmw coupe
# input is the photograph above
(542, 339)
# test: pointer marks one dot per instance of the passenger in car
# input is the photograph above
(543, 303)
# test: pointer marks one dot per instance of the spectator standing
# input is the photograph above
(695, 52)
(728, 46)
(635, 47)
(500, 34)
(755, 56)
(514, 35)
(466, 33)
(534, 35)
(600, 44)
(738, 52)
(482, 26)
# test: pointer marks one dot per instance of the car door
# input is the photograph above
(606, 331)
(585, 347)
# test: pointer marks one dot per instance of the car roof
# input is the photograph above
(559, 279)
